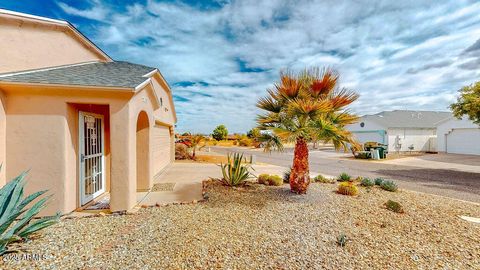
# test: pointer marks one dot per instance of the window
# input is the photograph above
(161, 102)
(362, 124)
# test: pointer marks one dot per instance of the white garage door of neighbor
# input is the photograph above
(364, 137)
(464, 141)
(161, 148)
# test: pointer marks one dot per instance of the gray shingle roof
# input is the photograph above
(408, 119)
(109, 74)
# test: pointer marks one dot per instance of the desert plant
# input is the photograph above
(322, 179)
(359, 179)
(342, 240)
(245, 142)
(275, 180)
(15, 219)
(263, 179)
(389, 186)
(235, 171)
(220, 133)
(286, 175)
(302, 108)
(347, 188)
(378, 181)
(367, 182)
(270, 180)
(196, 140)
(181, 151)
(344, 177)
(253, 133)
(394, 206)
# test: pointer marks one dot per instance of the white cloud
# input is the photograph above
(97, 12)
(404, 54)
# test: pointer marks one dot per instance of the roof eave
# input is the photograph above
(93, 87)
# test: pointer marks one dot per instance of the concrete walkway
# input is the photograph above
(186, 179)
(432, 164)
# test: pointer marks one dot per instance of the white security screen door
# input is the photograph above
(91, 156)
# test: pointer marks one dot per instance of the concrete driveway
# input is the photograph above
(456, 176)
(182, 182)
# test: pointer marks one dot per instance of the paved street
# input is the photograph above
(456, 176)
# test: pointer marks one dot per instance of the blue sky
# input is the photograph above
(220, 56)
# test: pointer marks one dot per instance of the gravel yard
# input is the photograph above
(268, 227)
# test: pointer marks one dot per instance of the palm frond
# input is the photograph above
(324, 81)
(342, 98)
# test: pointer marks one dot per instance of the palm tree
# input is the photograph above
(196, 139)
(302, 108)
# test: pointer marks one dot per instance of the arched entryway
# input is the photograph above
(143, 152)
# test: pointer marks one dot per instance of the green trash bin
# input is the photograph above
(381, 152)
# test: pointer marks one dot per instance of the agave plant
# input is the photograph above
(303, 108)
(16, 221)
(235, 171)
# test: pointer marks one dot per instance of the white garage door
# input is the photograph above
(364, 137)
(161, 148)
(464, 141)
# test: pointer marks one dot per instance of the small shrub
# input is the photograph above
(367, 182)
(286, 175)
(394, 206)
(263, 179)
(359, 179)
(235, 172)
(389, 186)
(235, 142)
(322, 179)
(343, 177)
(181, 151)
(275, 180)
(347, 188)
(342, 240)
(378, 181)
(245, 142)
(270, 180)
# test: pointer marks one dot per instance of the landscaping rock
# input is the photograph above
(266, 227)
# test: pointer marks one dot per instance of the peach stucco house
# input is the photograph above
(82, 123)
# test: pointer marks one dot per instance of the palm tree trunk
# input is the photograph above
(300, 175)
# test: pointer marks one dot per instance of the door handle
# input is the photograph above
(82, 157)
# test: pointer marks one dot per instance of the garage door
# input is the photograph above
(161, 148)
(464, 141)
(364, 137)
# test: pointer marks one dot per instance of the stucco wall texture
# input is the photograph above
(31, 45)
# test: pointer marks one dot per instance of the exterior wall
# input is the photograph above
(448, 126)
(42, 136)
(3, 124)
(370, 132)
(165, 112)
(28, 45)
(421, 139)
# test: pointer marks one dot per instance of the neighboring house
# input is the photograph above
(400, 130)
(82, 123)
(458, 136)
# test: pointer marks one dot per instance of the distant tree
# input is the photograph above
(220, 133)
(253, 133)
(186, 134)
(468, 103)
